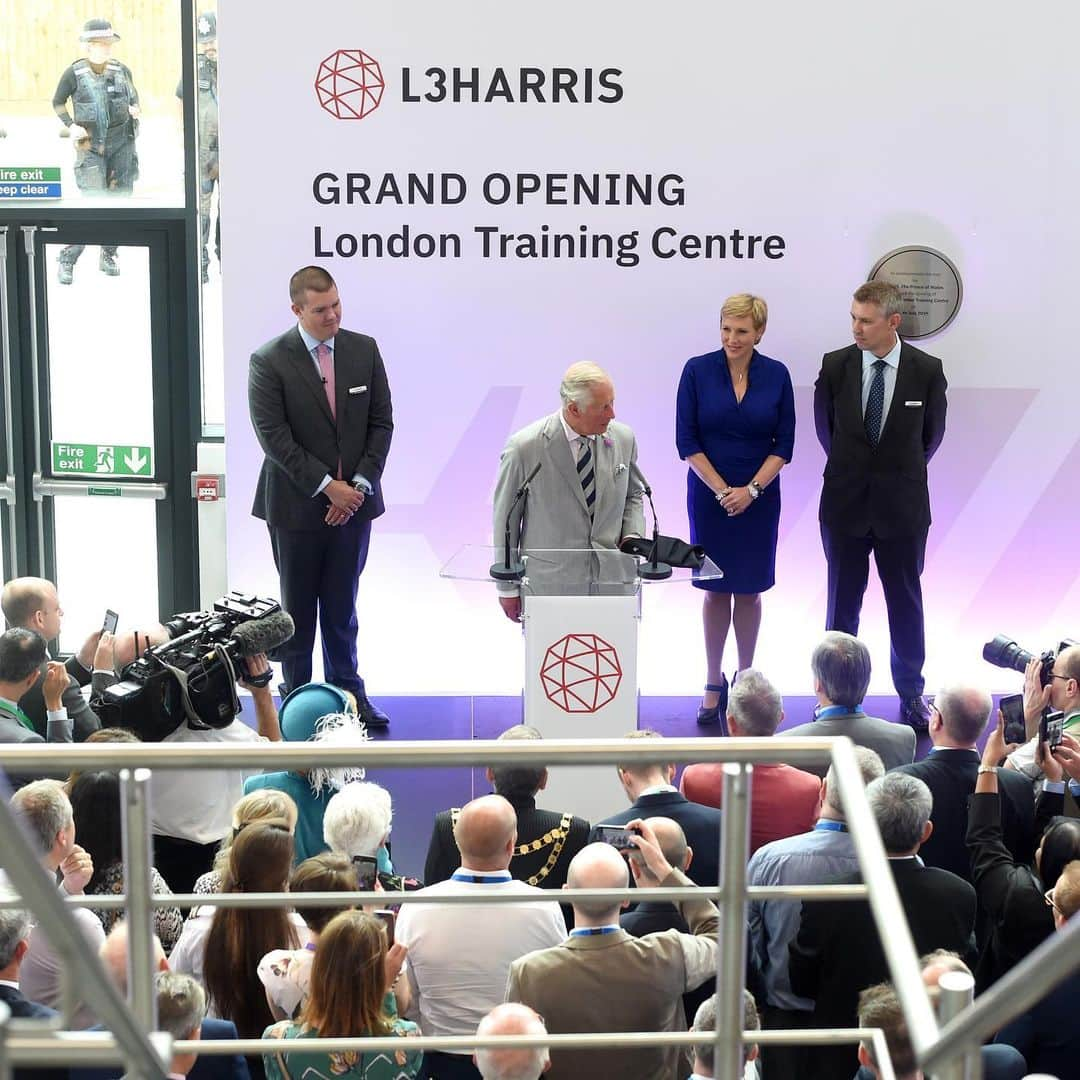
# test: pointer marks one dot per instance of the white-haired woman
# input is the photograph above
(357, 824)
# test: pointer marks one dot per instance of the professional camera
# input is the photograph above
(1004, 652)
(192, 677)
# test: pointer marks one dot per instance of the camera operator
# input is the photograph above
(1061, 692)
(192, 808)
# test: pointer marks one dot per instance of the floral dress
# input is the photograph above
(168, 922)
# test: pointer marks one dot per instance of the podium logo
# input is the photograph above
(350, 84)
(581, 673)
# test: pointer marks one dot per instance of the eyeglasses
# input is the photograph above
(1048, 896)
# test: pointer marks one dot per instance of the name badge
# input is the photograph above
(907, 404)
(363, 390)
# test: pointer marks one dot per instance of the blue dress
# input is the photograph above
(736, 437)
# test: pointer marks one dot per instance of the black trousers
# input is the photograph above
(440, 1066)
(784, 1062)
(319, 572)
(182, 862)
(899, 562)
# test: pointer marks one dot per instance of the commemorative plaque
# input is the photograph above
(929, 284)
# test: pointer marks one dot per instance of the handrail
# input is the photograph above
(1052, 961)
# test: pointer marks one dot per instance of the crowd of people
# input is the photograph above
(985, 855)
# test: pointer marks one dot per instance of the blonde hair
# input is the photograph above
(746, 306)
(267, 805)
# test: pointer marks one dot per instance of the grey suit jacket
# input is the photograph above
(615, 982)
(299, 435)
(893, 743)
(556, 515)
(11, 731)
(83, 718)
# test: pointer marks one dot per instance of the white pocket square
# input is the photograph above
(363, 390)
(912, 404)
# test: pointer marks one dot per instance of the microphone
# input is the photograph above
(509, 570)
(263, 635)
(653, 570)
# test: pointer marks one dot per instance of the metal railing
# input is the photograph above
(952, 1052)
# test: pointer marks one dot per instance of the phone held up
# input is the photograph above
(1012, 708)
(618, 836)
(1051, 727)
(111, 619)
(367, 869)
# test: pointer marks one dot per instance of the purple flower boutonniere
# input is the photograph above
(609, 442)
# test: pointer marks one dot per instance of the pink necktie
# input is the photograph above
(325, 357)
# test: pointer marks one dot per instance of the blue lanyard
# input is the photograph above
(592, 931)
(481, 879)
(831, 826)
(827, 712)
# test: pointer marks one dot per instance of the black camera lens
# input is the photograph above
(1004, 652)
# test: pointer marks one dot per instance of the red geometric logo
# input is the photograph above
(349, 84)
(581, 673)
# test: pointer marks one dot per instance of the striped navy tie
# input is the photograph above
(587, 473)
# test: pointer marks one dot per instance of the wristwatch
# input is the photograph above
(987, 769)
(755, 489)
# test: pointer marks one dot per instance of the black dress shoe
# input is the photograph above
(915, 713)
(370, 713)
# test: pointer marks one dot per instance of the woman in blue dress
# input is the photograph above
(735, 428)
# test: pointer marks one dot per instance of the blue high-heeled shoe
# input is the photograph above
(717, 714)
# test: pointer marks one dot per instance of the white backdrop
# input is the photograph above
(846, 131)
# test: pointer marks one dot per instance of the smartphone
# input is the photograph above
(618, 836)
(1012, 708)
(388, 919)
(367, 869)
(111, 619)
(1051, 727)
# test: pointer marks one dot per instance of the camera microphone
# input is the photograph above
(262, 635)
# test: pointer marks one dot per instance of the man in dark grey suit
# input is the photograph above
(879, 410)
(841, 666)
(320, 405)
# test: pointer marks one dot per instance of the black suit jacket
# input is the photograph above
(701, 824)
(880, 490)
(546, 842)
(837, 952)
(84, 720)
(299, 436)
(22, 1008)
(950, 775)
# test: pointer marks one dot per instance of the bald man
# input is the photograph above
(583, 496)
(460, 954)
(512, 1019)
(602, 979)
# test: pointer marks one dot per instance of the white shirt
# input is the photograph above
(460, 955)
(574, 438)
(892, 362)
(197, 804)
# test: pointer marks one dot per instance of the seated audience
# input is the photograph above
(181, 1007)
(511, 1018)
(841, 667)
(351, 980)
(95, 804)
(1062, 691)
(648, 786)
(602, 979)
(45, 813)
(269, 806)
(15, 928)
(547, 840)
(286, 973)
(879, 1007)
(817, 857)
(323, 714)
(222, 947)
(1010, 892)
(958, 717)
(459, 954)
(705, 1053)
(22, 660)
(1046, 1034)
(837, 951)
(357, 825)
(31, 603)
(783, 800)
(114, 958)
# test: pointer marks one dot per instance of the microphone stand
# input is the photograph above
(653, 570)
(513, 570)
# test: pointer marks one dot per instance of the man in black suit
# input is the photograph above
(838, 952)
(320, 406)
(648, 786)
(957, 718)
(32, 604)
(546, 840)
(879, 410)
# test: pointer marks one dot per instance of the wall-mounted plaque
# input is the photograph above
(930, 285)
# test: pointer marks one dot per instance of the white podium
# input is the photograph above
(580, 615)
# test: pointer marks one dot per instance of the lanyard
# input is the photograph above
(827, 712)
(16, 713)
(592, 931)
(831, 826)
(481, 879)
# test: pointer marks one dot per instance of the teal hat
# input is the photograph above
(302, 710)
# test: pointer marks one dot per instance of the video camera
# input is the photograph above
(192, 677)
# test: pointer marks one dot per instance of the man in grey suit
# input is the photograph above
(583, 496)
(320, 406)
(841, 666)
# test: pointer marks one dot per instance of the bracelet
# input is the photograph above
(987, 769)
(755, 489)
(721, 494)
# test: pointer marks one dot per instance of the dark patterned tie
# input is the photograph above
(875, 403)
(587, 474)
